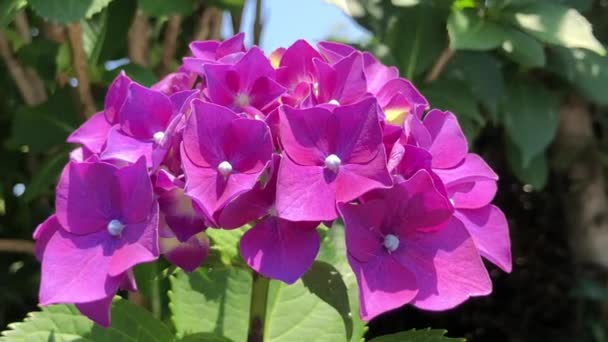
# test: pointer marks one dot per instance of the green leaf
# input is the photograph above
(531, 117)
(535, 173)
(426, 335)
(114, 41)
(483, 73)
(44, 179)
(468, 31)
(416, 41)
(231, 5)
(405, 3)
(585, 70)
(40, 54)
(160, 8)
(211, 300)
(524, 49)
(8, 9)
(47, 125)
(204, 337)
(325, 281)
(333, 252)
(457, 97)
(226, 242)
(65, 323)
(67, 11)
(556, 24)
(294, 313)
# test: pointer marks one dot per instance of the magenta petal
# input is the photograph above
(137, 244)
(414, 159)
(145, 112)
(414, 133)
(362, 229)
(281, 249)
(43, 234)
(205, 50)
(359, 133)
(384, 285)
(189, 254)
(252, 66)
(93, 133)
(351, 84)
(179, 213)
(297, 62)
(308, 135)
(355, 180)
(127, 148)
(136, 197)
(333, 51)
(305, 193)
(472, 168)
(490, 232)
(418, 104)
(449, 146)
(210, 190)
(98, 311)
(204, 133)
(231, 45)
(78, 211)
(115, 98)
(74, 269)
(264, 91)
(377, 74)
(247, 145)
(447, 266)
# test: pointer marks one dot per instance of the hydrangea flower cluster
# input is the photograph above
(283, 144)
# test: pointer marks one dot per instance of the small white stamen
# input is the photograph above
(115, 227)
(452, 202)
(391, 242)
(158, 137)
(333, 162)
(225, 168)
(334, 102)
(315, 88)
(242, 100)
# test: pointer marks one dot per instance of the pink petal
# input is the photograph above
(308, 135)
(75, 268)
(359, 132)
(115, 97)
(333, 51)
(136, 197)
(145, 112)
(384, 285)
(362, 229)
(305, 193)
(297, 62)
(281, 249)
(137, 244)
(449, 146)
(87, 197)
(98, 311)
(93, 133)
(188, 255)
(490, 232)
(204, 133)
(354, 180)
(126, 148)
(447, 266)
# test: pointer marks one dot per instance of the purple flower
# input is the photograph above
(297, 72)
(403, 247)
(106, 223)
(247, 86)
(187, 254)
(212, 51)
(341, 83)
(470, 184)
(223, 155)
(329, 157)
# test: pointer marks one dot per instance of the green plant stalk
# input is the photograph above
(257, 311)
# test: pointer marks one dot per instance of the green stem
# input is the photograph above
(257, 311)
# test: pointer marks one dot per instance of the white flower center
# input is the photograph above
(391, 242)
(242, 100)
(334, 102)
(158, 137)
(452, 202)
(225, 168)
(332, 162)
(315, 88)
(115, 228)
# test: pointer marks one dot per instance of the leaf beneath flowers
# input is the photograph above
(65, 323)
(67, 11)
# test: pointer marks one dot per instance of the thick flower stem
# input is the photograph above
(257, 311)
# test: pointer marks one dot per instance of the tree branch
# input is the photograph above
(257, 24)
(170, 44)
(23, 27)
(440, 65)
(17, 246)
(31, 93)
(138, 39)
(209, 24)
(79, 60)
